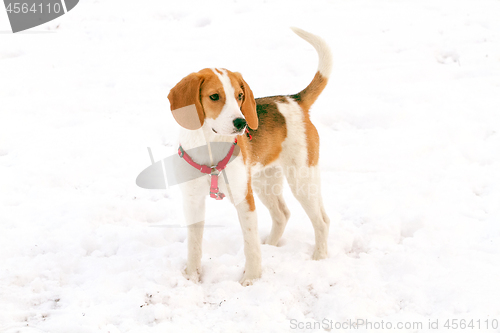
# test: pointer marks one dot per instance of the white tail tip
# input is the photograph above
(324, 54)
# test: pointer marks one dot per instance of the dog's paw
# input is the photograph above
(247, 282)
(249, 278)
(318, 255)
(270, 241)
(192, 274)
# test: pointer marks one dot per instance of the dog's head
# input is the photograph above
(219, 97)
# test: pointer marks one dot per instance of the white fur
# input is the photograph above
(195, 192)
(295, 145)
(324, 54)
(223, 124)
(251, 247)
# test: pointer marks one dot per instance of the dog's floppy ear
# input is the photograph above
(185, 102)
(248, 107)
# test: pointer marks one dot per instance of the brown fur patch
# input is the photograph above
(211, 85)
(184, 94)
(308, 96)
(305, 99)
(265, 146)
(312, 139)
(249, 198)
(248, 106)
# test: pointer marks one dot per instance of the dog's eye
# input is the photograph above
(214, 97)
(240, 96)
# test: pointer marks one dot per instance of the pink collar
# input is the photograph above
(212, 171)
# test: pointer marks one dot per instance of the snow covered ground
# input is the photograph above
(410, 159)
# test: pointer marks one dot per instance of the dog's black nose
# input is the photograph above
(239, 123)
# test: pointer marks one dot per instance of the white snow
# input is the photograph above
(410, 160)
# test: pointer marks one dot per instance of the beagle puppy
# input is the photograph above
(273, 139)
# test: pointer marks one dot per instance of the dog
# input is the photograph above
(268, 139)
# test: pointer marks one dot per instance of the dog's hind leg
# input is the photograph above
(305, 184)
(268, 184)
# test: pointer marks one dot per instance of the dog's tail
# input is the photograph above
(308, 96)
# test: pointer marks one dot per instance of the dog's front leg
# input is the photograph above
(248, 222)
(194, 213)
